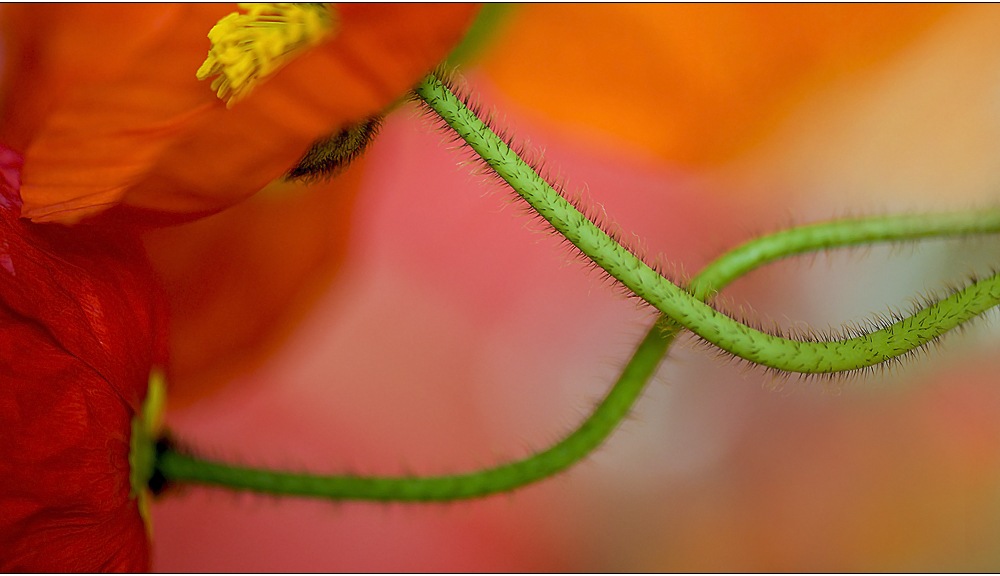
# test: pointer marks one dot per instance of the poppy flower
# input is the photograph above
(265, 261)
(82, 326)
(104, 103)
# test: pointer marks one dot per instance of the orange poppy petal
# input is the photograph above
(102, 132)
(382, 51)
(146, 132)
(51, 47)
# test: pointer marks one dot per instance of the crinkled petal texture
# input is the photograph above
(82, 322)
(64, 495)
(103, 101)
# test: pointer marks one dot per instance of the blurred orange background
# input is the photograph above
(455, 335)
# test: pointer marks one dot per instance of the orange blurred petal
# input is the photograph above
(696, 84)
(239, 281)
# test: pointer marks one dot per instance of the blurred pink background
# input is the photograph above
(458, 336)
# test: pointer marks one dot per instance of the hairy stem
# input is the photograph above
(715, 327)
(581, 442)
(175, 466)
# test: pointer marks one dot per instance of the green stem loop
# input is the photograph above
(713, 326)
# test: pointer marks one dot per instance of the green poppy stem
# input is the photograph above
(682, 310)
(179, 467)
(772, 351)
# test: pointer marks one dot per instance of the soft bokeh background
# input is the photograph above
(457, 336)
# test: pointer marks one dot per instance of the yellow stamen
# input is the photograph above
(247, 48)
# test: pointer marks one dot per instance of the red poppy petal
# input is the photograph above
(91, 288)
(64, 472)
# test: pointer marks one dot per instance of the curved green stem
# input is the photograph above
(840, 234)
(581, 442)
(613, 409)
(715, 327)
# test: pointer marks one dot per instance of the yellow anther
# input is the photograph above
(247, 48)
